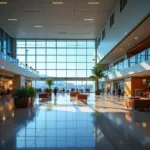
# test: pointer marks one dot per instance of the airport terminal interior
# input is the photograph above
(74, 74)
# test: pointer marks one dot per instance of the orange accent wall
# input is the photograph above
(137, 83)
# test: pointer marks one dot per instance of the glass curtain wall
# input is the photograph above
(67, 85)
(59, 58)
(5, 43)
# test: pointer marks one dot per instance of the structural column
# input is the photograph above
(111, 87)
(19, 81)
(96, 82)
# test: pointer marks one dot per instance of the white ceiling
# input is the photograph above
(142, 31)
(59, 21)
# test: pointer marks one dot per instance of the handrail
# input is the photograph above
(14, 61)
(138, 58)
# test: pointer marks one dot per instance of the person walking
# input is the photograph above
(55, 91)
(113, 92)
(119, 92)
(122, 92)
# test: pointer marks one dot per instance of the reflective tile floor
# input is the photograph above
(59, 124)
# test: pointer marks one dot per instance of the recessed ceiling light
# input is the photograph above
(93, 3)
(121, 49)
(128, 44)
(88, 19)
(38, 26)
(57, 3)
(136, 38)
(3, 3)
(148, 28)
(12, 19)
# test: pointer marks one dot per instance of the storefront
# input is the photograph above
(6, 84)
(119, 84)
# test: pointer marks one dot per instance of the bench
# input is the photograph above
(82, 99)
(82, 96)
(43, 95)
(74, 93)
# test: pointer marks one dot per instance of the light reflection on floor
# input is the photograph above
(59, 123)
(95, 103)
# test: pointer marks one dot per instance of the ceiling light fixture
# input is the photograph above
(136, 38)
(38, 26)
(93, 3)
(128, 44)
(57, 3)
(12, 19)
(88, 19)
(3, 3)
(120, 49)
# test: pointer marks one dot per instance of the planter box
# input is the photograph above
(97, 92)
(48, 93)
(74, 93)
(82, 97)
(43, 95)
(32, 100)
(22, 102)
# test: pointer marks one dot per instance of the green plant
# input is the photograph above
(100, 90)
(49, 82)
(21, 92)
(24, 92)
(98, 73)
(48, 90)
(32, 92)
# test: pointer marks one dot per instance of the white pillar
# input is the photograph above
(111, 87)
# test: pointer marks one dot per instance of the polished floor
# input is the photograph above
(60, 124)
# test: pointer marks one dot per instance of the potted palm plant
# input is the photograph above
(98, 73)
(49, 83)
(22, 97)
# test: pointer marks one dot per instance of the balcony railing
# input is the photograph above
(141, 57)
(14, 61)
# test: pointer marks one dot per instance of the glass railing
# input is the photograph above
(14, 61)
(141, 57)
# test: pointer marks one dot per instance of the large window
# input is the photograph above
(112, 20)
(58, 58)
(67, 85)
(5, 43)
(123, 3)
(103, 34)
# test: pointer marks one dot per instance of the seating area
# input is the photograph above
(81, 98)
(137, 103)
